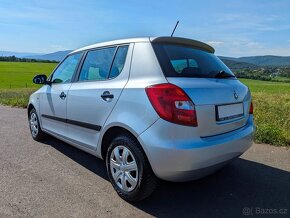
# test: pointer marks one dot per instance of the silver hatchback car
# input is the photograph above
(155, 107)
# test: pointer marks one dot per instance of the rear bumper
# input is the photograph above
(176, 154)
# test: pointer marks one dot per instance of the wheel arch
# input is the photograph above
(113, 131)
(110, 134)
(29, 108)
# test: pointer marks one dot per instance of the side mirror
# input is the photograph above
(40, 79)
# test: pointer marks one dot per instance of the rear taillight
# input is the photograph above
(251, 111)
(172, 104)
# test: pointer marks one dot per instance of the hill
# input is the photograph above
(17, 54)
(266, 60)
(55, 56)
(251, 62)
(236, 65)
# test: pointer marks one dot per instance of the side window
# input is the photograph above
(119, 61)
(65, 71)
(97, 64)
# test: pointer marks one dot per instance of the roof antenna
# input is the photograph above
(174, 28)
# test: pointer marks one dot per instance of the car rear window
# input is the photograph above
(182, 61)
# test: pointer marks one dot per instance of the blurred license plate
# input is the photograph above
(229, 111)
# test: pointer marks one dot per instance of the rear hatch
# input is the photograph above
(221, 101)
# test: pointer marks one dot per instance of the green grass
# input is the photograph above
(19, 74)
(271, 111)
(271, 99)
(267, 87)
(16, 81)
(15, 97)
(281, 79)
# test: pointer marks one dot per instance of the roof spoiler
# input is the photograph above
(184, 42)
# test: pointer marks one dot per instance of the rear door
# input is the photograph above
(102, 77)
(221, 101)
(53, 100)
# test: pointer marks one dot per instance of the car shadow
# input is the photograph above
(240, 189)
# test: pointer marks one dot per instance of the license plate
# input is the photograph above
(229, 111)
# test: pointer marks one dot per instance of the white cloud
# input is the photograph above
(252, 22)
(240, 48)
(253, 45)
(273, 28)
(215, 43)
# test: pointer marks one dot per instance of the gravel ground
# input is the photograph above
(54, 179)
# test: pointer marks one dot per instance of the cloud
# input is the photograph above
(246, 22)
(273, 28)
(253, 45)
(215, 43)
(240, 48)
(58, 47)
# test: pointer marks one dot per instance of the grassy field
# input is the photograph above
(271, 111)
(16, 75)
(16, 81)
(271, 99)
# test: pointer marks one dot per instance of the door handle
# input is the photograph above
(62, 95)
(107, 96)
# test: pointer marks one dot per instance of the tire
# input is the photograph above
(34, 126)
(137, 184)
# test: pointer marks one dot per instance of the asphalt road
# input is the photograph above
(54, 179)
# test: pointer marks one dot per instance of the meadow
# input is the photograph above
(271, 99)
(15, 75)
(271, 111)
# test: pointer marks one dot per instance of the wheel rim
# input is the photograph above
(33, 124)
(124, 168)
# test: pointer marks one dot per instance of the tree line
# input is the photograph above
(16, 59)
(268, 74)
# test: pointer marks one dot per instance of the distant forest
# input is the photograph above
(15, 59)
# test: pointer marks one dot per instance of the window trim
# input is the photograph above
(109, 78)
(76, 80)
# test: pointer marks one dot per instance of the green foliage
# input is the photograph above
(15, 59)
(274, 74)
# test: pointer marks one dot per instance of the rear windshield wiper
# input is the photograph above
(223, 74)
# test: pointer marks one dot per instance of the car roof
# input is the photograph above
(113, 42)
(161, 39)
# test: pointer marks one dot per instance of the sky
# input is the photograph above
(233, 27)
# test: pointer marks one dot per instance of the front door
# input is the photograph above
(53, 101)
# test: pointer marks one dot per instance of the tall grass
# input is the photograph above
(271, 111)
(15, 97)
